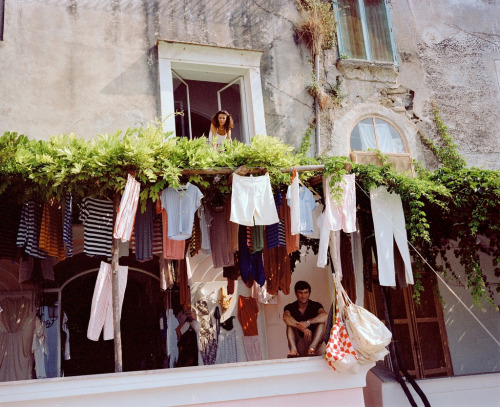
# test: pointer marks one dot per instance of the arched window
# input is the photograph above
(376, 133)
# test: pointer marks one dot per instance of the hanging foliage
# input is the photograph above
(453, 205)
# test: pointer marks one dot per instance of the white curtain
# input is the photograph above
(367, 136)
(385, 138)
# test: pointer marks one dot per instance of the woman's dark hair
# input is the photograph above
(229, 121)
(302, 285)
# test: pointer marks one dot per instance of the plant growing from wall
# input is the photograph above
(317, 28)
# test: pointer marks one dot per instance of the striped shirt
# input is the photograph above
(272, 231)
(68, 224)
(142, 237)
(51, 230)
(28, 233)
(97, 218)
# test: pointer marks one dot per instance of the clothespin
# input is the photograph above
(294, 174)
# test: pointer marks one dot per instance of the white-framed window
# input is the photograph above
(375, 133)
(364, 30)
(199, 80)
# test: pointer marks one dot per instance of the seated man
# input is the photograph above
(306, 321)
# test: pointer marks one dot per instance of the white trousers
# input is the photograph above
(125, 218)
(389, 225)
(101, 313)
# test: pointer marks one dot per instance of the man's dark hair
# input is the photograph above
(302, 285)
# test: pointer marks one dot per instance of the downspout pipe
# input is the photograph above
(317, 132)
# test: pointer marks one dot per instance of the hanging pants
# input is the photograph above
(101, 313)
(125, 217)
(337, 216)
(389, 225)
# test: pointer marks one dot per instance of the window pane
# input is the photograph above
(430, 345)
(389, 139)
(378, 29)
(351, 31)
(181, 105)
(402, 333)
(231, 101)
(365, 135)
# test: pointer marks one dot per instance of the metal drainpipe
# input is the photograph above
(316, 68)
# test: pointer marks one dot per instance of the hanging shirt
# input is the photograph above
(248, 310)
(28, 233)
(142, 238)
(306, 205)
(181, 204)
(39, 349)
(68, 224)
(172, 249)
(97, 217)
(338, 215)
(221, 255)
(292, 241)
(251, 264)
(51, 231)
(292, 197)
(205, 223)
(227, 351)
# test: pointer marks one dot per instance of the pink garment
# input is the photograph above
(172, 249)
(128, 207)
(101, 313)
(337, 215)
(342, 214)
(252, 347)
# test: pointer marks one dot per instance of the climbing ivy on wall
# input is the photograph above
(454, 207)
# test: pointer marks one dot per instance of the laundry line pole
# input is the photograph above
(256, 170)
(115, 251)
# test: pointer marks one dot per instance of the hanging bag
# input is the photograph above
(340, 353)
(368, 334)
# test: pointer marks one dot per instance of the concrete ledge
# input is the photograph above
(184, 386)
(382, 390)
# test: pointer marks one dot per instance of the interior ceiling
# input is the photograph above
(205, 73)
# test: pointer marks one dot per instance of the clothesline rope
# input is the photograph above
(441, 278)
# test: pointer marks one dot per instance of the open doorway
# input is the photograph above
(141, 336)
(200, 100)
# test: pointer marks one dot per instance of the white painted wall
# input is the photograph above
(472, 349)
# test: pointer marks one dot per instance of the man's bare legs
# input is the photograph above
(301, 346)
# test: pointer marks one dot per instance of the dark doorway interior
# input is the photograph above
(142, 346)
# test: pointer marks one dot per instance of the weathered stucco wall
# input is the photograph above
(75, 66)
(447, 52)
(90, 67)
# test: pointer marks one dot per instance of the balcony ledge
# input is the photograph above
(185, 386)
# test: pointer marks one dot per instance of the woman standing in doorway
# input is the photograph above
(220, 128)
